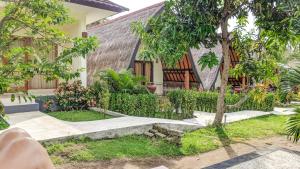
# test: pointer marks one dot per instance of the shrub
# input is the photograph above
(123, 82)
(72, 96)
(138, 105)
(100, 92)
(188, 101)
(184, 102)
(47, 103)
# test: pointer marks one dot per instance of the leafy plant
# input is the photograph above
(189, 101)
(37, 18)
(137, 104)
(123, 82)
(196, 24)
(72, 96)
(99, 90)
(293, 126)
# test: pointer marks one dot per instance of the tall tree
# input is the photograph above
(40, 20)
(196, 23)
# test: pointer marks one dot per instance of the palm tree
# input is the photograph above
(293, 127)
(290, 80)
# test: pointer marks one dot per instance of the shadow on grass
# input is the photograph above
(225, 140)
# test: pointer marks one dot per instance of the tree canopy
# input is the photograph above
(41, 20)
(205, 23)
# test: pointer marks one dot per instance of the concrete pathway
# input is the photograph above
(43, 127)
(204, 118)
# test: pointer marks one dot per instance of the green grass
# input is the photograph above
(79, 115)
(207, 139)
(199, 141)
(3, 124)
(91, 150)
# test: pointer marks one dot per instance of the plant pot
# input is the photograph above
(151, 87)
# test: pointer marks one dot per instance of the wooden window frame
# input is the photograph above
(143, 63)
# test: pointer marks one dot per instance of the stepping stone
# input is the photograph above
(160, 135)
(148, 134)
(153, 131)
(169, 132)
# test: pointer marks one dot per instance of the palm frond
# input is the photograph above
(293, 127)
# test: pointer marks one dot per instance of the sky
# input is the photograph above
(134, 5)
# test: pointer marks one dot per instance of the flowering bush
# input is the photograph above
(73, 96)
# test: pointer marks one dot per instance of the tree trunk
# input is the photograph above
(225, 74)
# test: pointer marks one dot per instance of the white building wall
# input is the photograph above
(158, 77)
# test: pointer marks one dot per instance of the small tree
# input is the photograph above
(195, 23)
(39, 19)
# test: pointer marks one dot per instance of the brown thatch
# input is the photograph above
(118, 47)
(118, 44)
(101, 4)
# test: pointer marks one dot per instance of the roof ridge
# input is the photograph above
(125, 16)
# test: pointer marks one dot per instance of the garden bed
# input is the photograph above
(79, 115)
(199, 141)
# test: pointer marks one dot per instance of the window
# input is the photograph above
(144, 68)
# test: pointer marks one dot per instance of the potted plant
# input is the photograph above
(151, 87)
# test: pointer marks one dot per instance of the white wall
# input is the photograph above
(158, 77)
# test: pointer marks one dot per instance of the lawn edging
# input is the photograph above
(108, 112)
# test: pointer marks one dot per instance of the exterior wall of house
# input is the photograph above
(158, 77)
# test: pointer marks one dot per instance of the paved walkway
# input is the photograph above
(43, 127)
(267, 159)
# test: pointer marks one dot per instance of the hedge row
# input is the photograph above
(188, 100)
(144, 105)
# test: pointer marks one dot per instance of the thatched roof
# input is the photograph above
(117, 42)
(118, 46)
(101, 4)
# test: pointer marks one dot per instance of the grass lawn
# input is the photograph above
(91, 150)
(202, 140)
(207, 139)
(3, 124)
(79, 115)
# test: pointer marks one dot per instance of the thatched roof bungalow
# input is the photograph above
(119, 49)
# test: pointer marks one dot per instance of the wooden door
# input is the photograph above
(38, 81)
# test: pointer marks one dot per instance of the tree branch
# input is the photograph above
(236, 10)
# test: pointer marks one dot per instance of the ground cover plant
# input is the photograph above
(199, 141)
(79, 115)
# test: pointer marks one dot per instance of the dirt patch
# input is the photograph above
(191, 162)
